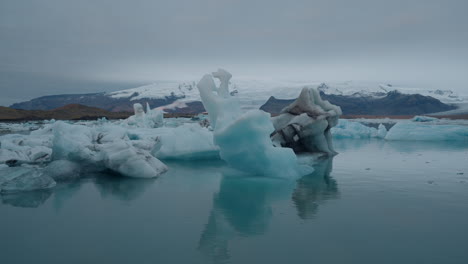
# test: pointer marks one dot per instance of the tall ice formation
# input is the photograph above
(305, 124)
(243, 138)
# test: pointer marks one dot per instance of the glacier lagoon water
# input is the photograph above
(375, 202)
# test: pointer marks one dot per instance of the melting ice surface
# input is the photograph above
(376, 202)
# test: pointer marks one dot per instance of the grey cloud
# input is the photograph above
(118, 40)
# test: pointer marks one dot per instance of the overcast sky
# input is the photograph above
(61, 46)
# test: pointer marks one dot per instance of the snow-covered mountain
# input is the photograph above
(171, 95)
(374, 90)
(253, 93)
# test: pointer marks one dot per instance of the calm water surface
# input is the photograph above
(375, 202)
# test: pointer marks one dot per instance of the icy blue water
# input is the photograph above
(376, 202)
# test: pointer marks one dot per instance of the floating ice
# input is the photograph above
(185, 142)
(356, 130)
(243, 139)
(381, 131)
(19, 179)
(151, 119)
(17, 149)
(120, 156)
(417, 131)
(154, 117)
(305, 124)
(423, 119)
(109, 148)
(74, 143)
(63, 170)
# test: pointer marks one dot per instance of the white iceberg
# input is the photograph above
(243, 139)
(151, 119)
(17, 149)
(185, 142)
(108, 148)
(417, 131)
(355, 130)
(381, 131)
(120, 156)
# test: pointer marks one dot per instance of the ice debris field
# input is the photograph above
(36, 155)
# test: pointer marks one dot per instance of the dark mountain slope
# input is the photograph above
(68, 112)
(394, 103)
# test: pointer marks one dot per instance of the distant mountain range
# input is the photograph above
(176, 97)
(392, 103)
(68, 112)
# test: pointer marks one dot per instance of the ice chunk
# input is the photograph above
(224, 77)
(219, 109)
(305, 124)
(423, 119)
(243, 139)
(186, 142)
(381, 131)
(154, 117)
(63, 170)
(356, 130)
(246, 145)
(108, 147)
(18, 179)
(13, 157)
(74, 143)
(417, 131)
(122, 157)
(138, 119)
(151, 119)
(18, 149)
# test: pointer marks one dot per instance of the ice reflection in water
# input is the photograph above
(314, 189)
(32, 199)
(243, 206)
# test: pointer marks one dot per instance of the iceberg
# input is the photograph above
(108, 148)
(243, 139)
(424, 119)
(427, 131)
(356, 130)
(120, 156)
(185, 142)
(20, 179)
(151, 119)
(63, 170)
(381, 131)
(154, 117)
(305, 124)
(138, 119)
(73, 143)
